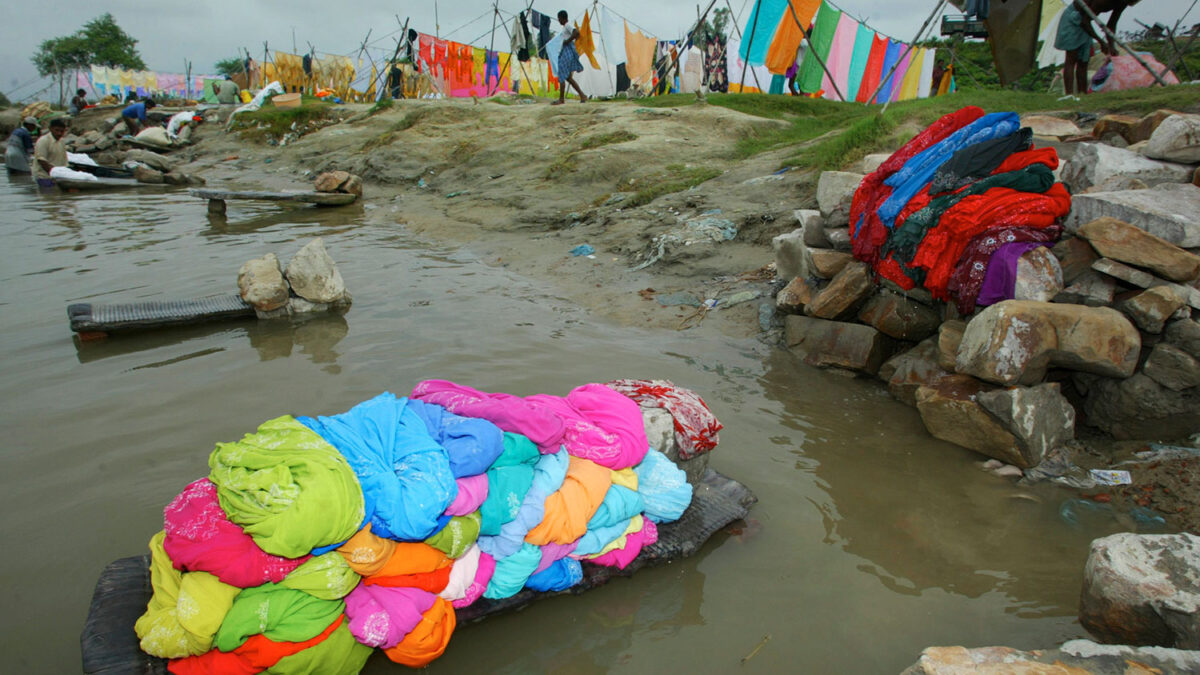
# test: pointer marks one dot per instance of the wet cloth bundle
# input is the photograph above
(695, 426)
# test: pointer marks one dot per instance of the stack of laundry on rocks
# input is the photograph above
(314, 540)
(955, 207)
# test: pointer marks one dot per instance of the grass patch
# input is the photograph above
(404, 124)
(601, 140)
(382, 105)
(676, 178)
(270, 121)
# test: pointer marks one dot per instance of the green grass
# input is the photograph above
(676, 178)
(382, 105)
(405, 123)
(270, 121)
(612, 138)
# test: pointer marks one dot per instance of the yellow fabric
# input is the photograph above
(782, 53)
(626, 478)
(639, 56)
(635, 525)
(586, 45)
(185, 611)
(912, 79)
(570, 508)
(947, 78)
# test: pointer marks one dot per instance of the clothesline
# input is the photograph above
(864, 23)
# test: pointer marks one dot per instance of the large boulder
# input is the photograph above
(1166, 211)
(794, 297)
(146, 175)
(262, 285)
(1177, 139)
(1095, 163)
(837, 344)
(1121, 241)
(1075, 258)
(835, 192)
(1076, 657)
(791, 255)
(899, 317)
(844, 294)
(314, 276)
(839, 238)
(1146, 126)
(1141, 279)
(1039, 276)
(827, 263)
(1039, 417)
(1115, 125)
(1172, 367)
(1151, 308)
(1016, 341)
(950, 335)
(1140, 408)
(1052, 127)
(330, 181)
(907, 372)
(1184, 334)
(951, 412)
(1143, 590)
(1092, 289)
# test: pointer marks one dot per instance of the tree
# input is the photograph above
(100, 42)
(717, 23)
(230, 67)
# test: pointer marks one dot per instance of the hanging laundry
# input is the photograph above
(887, 78)
(864, 42)
(925, 84)
(914, 76)
(585, 44)
(781, 55)
(716, 73)
(639, 56)
(760, 30)
(825, 26)
(517, 38)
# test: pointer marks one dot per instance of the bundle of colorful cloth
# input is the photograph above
(314, 540)
(956, 206)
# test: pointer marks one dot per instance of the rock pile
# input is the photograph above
(339, 181)
(310, 283)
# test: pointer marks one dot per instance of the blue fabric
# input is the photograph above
(405, 475)
(559, 576)
(664, 488)
(611, 520)
(512, 572)
(864, 39)
(137, 110)
(760, 30)
(471, 444)
(548, 477)
(890, 57)
(918, 171)
(26, 138)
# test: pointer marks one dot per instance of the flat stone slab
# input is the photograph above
(1166, 211)
(103, 184)
(308, 197)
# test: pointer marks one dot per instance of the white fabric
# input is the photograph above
(80, 158)
(602, 82)
(612, 35)
(736, 67)
(462, 575)
(691, 64)
(567, 31)
(178, 120)
(925, 86)
(64, 172)
(256, 102)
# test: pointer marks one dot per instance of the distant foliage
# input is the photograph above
(100, 42)
(230, 67)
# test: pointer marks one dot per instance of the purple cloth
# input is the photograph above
(381, 616)
(1001, 280)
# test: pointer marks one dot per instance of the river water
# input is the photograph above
(870, 542)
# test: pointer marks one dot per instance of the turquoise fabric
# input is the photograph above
(509, 480)
(863, 41)
(760, 30)
(611, 520)
(777, 82)
(512, 572)
(548, 477)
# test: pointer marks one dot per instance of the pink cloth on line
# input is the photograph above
(634, 544)
(483, 575)
(472, 493)
(602, 425)
(510, 413)
(695, 426)
(201, 538)
(552, 553)
(841, 51)
(380, 616)
(897, 82)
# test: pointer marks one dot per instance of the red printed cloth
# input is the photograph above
(972, 267)
(695, 426)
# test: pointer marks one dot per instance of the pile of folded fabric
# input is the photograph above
(955, 207)
(314, 540)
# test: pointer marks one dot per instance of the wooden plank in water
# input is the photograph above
(103, 184)
(308, 197)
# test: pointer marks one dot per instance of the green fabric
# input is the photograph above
(509, 479)
(905, 240)
(819, 41)
(210, 93)
(458, 535)
(288, 489)
(327, 577)
(338, 654)
(280, 614)
(777, 82)
(185, 611)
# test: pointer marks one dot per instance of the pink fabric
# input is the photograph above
(840, 53)
(201, 538)
(380, 616)
(897, 81)
(634, 544)
(472, 493)
(1127, 73)
(510, 413)
(552, 553)
(487, 567)
(601, 425)
(695, 426)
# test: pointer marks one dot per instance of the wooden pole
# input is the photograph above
(812, 51)
(691, 35)
(900, 60)
(753, 28)
(1113, 37)
(491, 49)
(737, 27)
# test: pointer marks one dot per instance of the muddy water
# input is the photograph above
(871, 541)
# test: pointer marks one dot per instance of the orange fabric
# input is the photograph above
(413, 558)
(367, 553)
(256, 654)
(782, 53)
(585, 45)
(639, 56)
(434, 582)
(570, 508)
(428, 640)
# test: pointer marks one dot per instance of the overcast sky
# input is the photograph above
(170, 31)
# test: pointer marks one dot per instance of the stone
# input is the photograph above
(1141, 279)
(1151, 308)
(1016, 341)
(1164, 211)
(151, 159)
(1143, 590)
(835, 192)
(330, 181)
(791, 255)
(813, 225)
(867, 165)
(660, 431)
(1120, 125)
(1115, 140)
(837, 344)
(1092, 289)
(1140, 408)
(1118, 183)
(897, 316)
(313, 274)
(1076, 657)
(1172, 367)
(1095, 163)
(353, 186)
(1121, 241)
(1039, 276)
(146, 175)
(1196, 177)
(1184, 334)
(839, 238)
(1040, 418)
(1146, 126)
(849, 289)
(950, 336)
(1177, 139)
(827, 263)
(185, 136)
(175, 178)
(907, 372)
(297, 306)
(1053, 127)
(262, 285)
(950, 411)
(794, 297)
(915, 293)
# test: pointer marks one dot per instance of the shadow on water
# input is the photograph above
(261, 217)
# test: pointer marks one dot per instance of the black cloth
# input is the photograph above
(524, 53)
(979, 160)
(622, 78)
(307, 63)
(541, 23)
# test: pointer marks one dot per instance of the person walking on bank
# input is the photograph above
(568, 61)
(1075, 35)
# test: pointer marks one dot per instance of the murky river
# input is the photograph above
(871, 541)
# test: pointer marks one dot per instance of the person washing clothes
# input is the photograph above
(134, 115)
(568, 61)
(78, 103)
(20, 146)
(1075, 35)
(49, 152)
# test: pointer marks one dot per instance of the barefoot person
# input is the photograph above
(1075, 35)
(568, 61)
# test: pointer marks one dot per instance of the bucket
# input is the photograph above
(286, 101)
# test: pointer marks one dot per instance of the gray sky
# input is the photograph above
(170, 31)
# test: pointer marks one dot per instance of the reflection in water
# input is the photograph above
(255, 216)
(316, 336)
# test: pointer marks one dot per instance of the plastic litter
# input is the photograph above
(1077, 512)
(1110, 477)
(582, 249)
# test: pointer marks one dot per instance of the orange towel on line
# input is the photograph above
(586, 45)
(639, 56)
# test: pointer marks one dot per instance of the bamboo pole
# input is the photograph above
(900, 60)
(753, 29)
(1111, 36)
(812, 51)
(691, 34)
